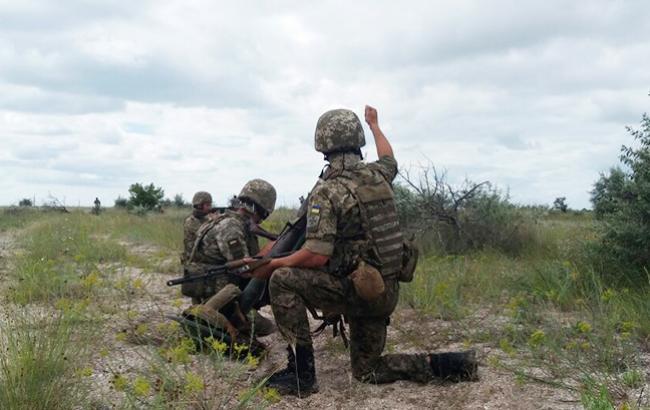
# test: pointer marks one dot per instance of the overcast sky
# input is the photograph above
(205, 95)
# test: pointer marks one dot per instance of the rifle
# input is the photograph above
(236, 267)
(291, 238)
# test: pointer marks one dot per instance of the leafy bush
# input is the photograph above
(560, 204)
(121, 202)
(179, 201)
(26, 202)
(608, 191)
(622, 200)
(145, 196)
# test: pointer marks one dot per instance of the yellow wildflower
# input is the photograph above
(536, 338)
(583, 327)
(119, 382)
(193, 383)
(141, 386)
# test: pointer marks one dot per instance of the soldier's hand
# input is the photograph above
(371, 116)
(264, 272)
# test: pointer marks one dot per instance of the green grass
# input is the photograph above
(556, 314)
(67, 276)
(61, 257)
(563, 316)
(41, 362)
(14, 217)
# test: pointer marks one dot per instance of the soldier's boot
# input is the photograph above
(299, 377)
(290, 369)
(262, 325)
(455, 366)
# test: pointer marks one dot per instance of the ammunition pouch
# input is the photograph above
(410, 255)
(368, 282)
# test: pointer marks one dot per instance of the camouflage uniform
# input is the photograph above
(191, 225)
(334, 229)
(224, 239)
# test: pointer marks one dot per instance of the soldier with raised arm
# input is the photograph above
(351, 264)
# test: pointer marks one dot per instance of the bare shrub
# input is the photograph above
(459, 219)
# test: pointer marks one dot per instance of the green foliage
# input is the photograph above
(121, 202)
(468, 218)
(597, 397)
(560, 204)
(179, 201)
(608, 192)
(39, 363)
(623, 202)
(147, 197)
(16, 217)
(26, 202)
(58, 256)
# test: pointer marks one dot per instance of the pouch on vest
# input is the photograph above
(368, 282)
(410, 255)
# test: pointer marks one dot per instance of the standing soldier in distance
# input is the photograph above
(349, 229)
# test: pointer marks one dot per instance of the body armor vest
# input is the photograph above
(378, 213)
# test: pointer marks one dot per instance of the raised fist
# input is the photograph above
(371, 115)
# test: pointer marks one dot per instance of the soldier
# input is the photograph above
(201, 206)
(227, 237)
(352, 231)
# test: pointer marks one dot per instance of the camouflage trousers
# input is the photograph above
(292, 289)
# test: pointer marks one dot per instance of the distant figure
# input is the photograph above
(201, 204)
(98, 206)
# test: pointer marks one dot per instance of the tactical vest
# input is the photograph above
(379, 220)
(200, 234)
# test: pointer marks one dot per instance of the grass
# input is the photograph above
(551, 317)
(74, 273)
(561, 317)
(41, 362)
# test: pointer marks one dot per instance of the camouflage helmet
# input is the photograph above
(261, 193)
(339, 130)
(201, 197)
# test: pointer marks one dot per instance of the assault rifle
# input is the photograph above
(236, 267)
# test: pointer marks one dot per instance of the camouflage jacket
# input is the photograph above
(190, 227)
(227, 237)
(334, 223)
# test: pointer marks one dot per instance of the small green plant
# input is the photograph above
(633, 378)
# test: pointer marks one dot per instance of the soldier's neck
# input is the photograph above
(343, 160)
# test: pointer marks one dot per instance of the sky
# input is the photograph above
(191, 95)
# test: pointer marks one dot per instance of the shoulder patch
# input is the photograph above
(313, 218)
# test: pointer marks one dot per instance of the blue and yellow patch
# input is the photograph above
(313, 217)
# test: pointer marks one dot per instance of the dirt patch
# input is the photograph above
(496, 389)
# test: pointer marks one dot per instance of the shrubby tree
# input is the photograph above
(608, 191)
(25, 202)
(145, 196)
(462, 218)
(179, 201)
(622, 200)
(121, 202)
(560, 204)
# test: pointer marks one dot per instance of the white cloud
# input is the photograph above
(533, 96)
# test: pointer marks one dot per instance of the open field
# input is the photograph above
(82, 325)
